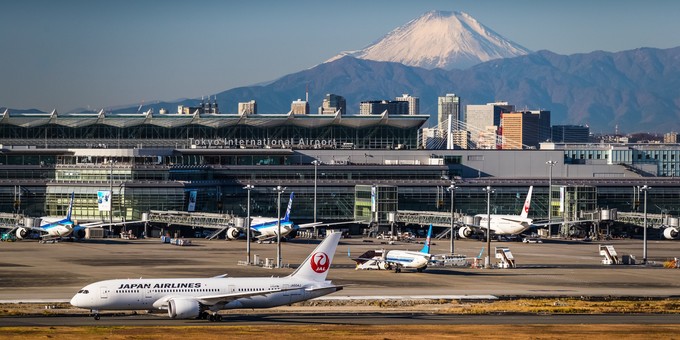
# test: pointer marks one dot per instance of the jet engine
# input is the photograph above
(233, 233)
(22, 233)
(671, 233)
(384, 265)
(465, 232)
(183, 308)
(79, 233)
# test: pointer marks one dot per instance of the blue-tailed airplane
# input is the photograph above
(60, 228)
(49, 229)
(397, 259)
(265, 228)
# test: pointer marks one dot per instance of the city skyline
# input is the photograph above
(93, 54)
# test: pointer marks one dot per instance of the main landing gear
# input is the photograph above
(211, 317)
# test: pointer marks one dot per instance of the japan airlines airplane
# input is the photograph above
(204, 297)
(266, 228)
(397, 259)
(502, 224)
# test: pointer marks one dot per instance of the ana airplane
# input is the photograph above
(53, 229)
(50, 229)
(501, 224)
(204, 297)
(397, 259)
(266, 228)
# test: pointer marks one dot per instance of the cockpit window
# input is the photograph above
(83, 291)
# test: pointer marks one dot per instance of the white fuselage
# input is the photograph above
(505, 224)
(408, 259)
(269, 228)
(133, 294)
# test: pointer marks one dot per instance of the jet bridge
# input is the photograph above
(505, 256)
(194, 219)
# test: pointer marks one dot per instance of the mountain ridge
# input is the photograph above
(439, 39)
(636, 90)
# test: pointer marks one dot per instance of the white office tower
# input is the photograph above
(413, 103)
(483, 121)
(247, 108)
(299, 107)
(448, 110)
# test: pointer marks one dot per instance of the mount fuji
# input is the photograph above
(438, 39)
(635, 90)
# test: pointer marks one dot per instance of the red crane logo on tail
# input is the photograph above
(320, 262)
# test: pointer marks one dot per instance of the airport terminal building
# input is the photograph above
(201, 162)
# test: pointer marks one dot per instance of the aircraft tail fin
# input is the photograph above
(290, 205)
(428, 241)
(527, 203)
(317, 264)
(70, 208)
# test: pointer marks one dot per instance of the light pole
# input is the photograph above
(248, 187)
(316, 163)
(644, 189)
(452, 189)
(279, 190)
(487, 262)
(551, 164)
(110, 195)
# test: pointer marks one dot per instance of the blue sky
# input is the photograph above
(76, 53)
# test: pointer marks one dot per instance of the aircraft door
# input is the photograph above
(103, 293)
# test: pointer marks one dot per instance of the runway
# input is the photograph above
(403, 319)
(556, 268)
(33, 271)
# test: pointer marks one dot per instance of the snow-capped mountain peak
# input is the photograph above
(440, 39)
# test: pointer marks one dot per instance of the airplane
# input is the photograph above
(188, 298)
(266, 228)
(51, 229)
(501, 224)
(397, 259)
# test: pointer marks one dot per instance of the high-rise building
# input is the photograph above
(413, 103)
(377, 107)
(481, 119)
(448, 110)
(525, 128)
(570, 134)
(247, 108)
(299, 107)
(332, 104)
(448, 105)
